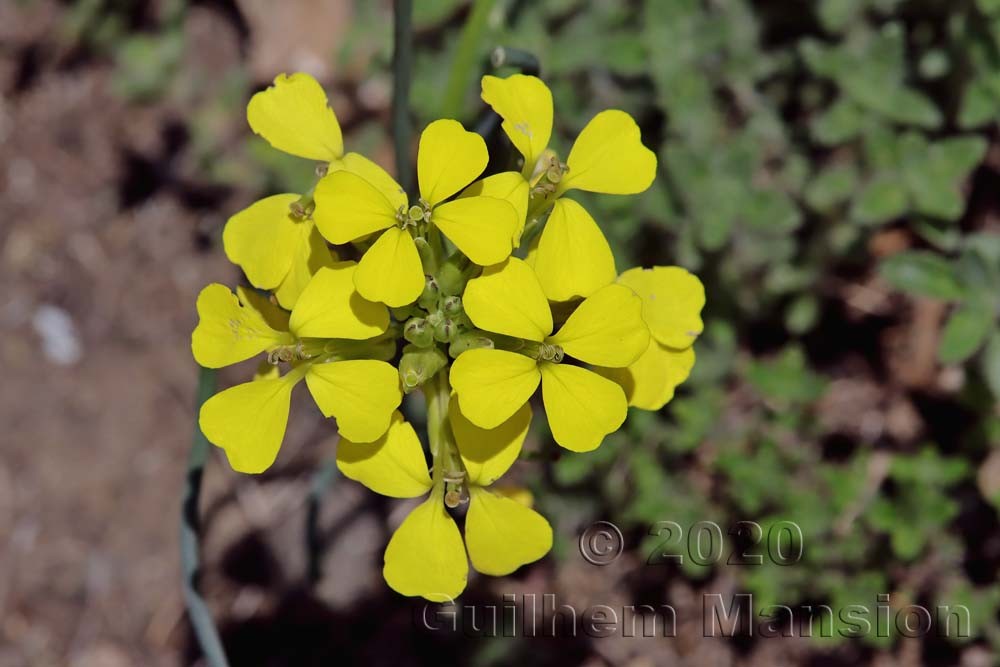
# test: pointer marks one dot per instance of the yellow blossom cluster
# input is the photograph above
(476, 289)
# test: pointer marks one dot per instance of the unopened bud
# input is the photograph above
(469, 340)
(445, 330)
(429, 297)
(417, 331)
(417, 365)
(454, 274)
(452, 305)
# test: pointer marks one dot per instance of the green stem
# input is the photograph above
(465, 59)
(402, 59)
(444, 448)
(198, 612)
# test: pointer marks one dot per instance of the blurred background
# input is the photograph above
(829, 168)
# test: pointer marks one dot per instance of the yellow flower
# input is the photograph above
(572, 257)
(582, 407)
(672, 300)
(362, 199)
(426, 556)
(274, 240)
(326, 339)
(276, 249)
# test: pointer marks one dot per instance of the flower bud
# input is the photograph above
(455, 273)
(445, 330)
(429, 297)
(417, 365)
(417, 331)
(469, 340)
(452, 306)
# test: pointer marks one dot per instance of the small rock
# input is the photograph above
(60, 342)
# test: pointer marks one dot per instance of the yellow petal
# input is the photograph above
(425, 556)
(509, 186)
(394, 465)
(493, 384)
(582, 407)
(294, 117)
(391, 272)
(311, 254)
(649, 383)
(349, 208)
(448, 159)
(248, 421)
(261, 239)
(228, 332)
(275, 317)
(609, 157)
(330, 307)
(376, 176)
(525, 104)
(573, 258)
(362, 394)
(507, 299)
(502, 534)
(606, 329)
(481, 227)
(488, 453)
(672, 300)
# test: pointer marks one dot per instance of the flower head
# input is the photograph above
(582, 407)
(572, 258)
(426, 556)
(672, 300)
(361, 200)
(325, 339)
(274, 240)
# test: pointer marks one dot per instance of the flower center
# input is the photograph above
(414, 215)
(550, 173)
(543, 351)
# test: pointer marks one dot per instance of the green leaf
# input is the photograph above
(832, 186)
(786, 378)
(835, 15)
(771, 211)
(882, 200)
(842, 122)
(979, 105)
(965, 332)
(923, 274)
(802, 313)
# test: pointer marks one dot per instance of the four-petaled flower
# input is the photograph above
(353, 204)
(572, 258)
(426, 556)
(582, 407)
(327, 340)
(274, 240)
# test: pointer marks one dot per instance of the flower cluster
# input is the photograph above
(435, 296)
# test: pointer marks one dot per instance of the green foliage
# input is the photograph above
(788, 142)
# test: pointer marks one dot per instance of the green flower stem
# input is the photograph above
(402, 59)
(198, 613)
(444, 448)
(465, 58)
